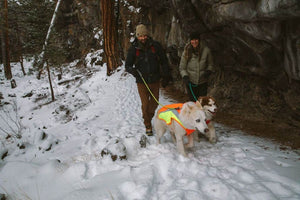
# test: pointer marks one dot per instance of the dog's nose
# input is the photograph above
(206, 130)
(215, 110)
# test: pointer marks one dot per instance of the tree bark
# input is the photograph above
(5, 43)
(110, 35)
(41, 58)
(22, 64)
(20, 48)
(50, 82)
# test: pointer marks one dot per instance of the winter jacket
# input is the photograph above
(149, 58)
(194, 63)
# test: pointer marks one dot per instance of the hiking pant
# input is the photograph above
(148, 103)
(198, 91)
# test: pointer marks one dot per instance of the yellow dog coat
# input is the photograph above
(170, 113)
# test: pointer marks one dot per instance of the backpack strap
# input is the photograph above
(152, 49)
(137, 51)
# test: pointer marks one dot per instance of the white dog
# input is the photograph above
(180, 119)
(210, 108)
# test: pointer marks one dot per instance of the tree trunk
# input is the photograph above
(110, 35)
(5, 43)
(50, 82)
(22, 64)
(41, 59)
(2, 43)
(20, 48)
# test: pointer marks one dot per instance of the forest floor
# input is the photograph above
(281, 133)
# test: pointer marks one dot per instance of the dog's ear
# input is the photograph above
(211, 97)
(198, 104)
(202, 100)
(185, 111)
(187, 108)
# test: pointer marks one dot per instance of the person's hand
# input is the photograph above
(186, 80)
(165, 81)
(133, 71)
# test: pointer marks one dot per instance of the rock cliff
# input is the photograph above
(255, 44)
(256, 48)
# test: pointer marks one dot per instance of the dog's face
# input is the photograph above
(209, 106)
(195, 116)
(199, 121)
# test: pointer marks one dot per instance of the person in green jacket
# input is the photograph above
(196, 65)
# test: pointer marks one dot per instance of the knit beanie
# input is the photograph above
(141, 30)
(195, 36)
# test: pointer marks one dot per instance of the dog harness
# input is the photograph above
(172, 113)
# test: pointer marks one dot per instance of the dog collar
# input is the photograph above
(207, 121)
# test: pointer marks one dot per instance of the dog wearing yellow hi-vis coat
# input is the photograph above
(181, 119)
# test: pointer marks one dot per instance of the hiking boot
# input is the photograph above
(149, 131)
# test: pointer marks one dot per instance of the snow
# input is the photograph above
(64, 139)
(131, 8)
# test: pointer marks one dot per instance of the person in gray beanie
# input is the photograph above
(147, 60)
(196, 65)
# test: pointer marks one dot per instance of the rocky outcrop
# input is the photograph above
(80, 20)
(255, 44)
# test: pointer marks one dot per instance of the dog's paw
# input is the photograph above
(213, 140)
(183, 155)
(188, 145)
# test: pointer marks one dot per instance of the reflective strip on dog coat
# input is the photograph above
(168, 115)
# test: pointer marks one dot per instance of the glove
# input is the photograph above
(186, 80)
(165, 81)
(133, 72)
(207, 73)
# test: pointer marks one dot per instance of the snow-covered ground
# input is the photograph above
(59, 157)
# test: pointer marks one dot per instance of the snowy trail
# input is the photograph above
(238, 166)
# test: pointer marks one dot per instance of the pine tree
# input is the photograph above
(110, 35)
(30, 20)
(5, 40)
